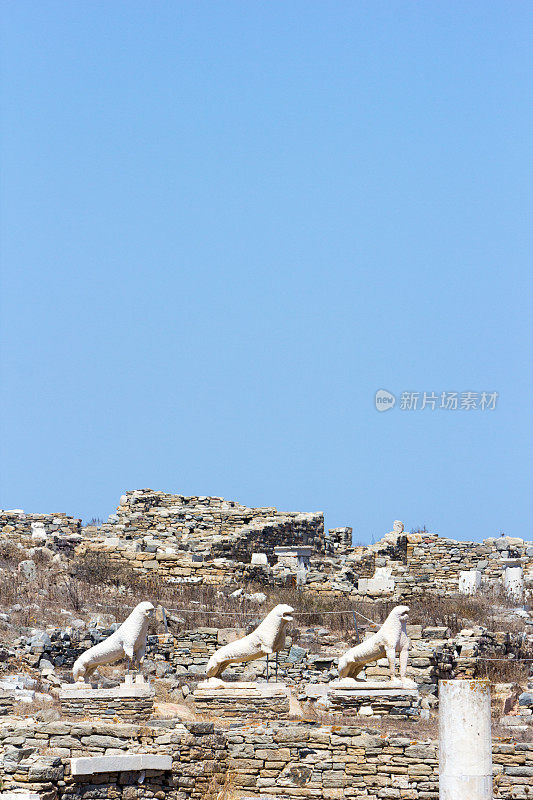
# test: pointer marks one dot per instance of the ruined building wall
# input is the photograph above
(210, 527)
(17, 523)
(427, 562)
(294, 759)
(210, 540)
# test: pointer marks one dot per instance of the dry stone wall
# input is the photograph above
(209, 540)
(437, 562)
(280, 759)
(6, 703)
(36, 758)
(205, 540)
(423, 562)
(16, 524)
(212, 526)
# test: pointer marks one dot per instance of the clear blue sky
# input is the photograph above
(225, 225)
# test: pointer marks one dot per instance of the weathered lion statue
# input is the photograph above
(390, 639)
(129, 640)
(268, 638)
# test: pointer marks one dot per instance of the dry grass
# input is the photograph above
(92, 583)
(163, 692)
(415, 729)
(36, 707)
(226, 792)
(504, 670)
(461, 611)
(45, 600)
(10, 554)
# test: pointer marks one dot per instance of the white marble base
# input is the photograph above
(214, 686)
(132, 701)
(93, 765)
(132, 687)
(385, 686)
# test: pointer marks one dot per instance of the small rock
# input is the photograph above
(257, 597)
(162, 668)
(28, 569)
(40, 641)
(526, 699)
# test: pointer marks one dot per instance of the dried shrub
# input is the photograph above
(95, 522)
(10, 554)
(504, 670)
(98, 568)
(461, 611)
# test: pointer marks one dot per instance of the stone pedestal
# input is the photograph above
(367, 698)
(132, 701)
(243, 700)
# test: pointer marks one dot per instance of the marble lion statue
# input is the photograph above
(128, 641)
(268, 638)
(390, 639)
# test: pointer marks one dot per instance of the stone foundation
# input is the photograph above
(131, 702)
(395, 703)
(243, 701)
(283, 759)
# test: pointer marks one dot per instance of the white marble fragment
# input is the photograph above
(469, 581)
(92, 765)
(513, 580)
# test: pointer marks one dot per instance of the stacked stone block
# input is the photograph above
(19, 525)
(6, 703)
(36, 757)
(212, 526)
(128, 709)
(280, 759)
(243, 701)
(425, 562)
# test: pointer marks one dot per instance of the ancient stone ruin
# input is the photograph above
(192, 647)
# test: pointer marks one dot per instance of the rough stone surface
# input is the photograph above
(281, 759)
(243, 701)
